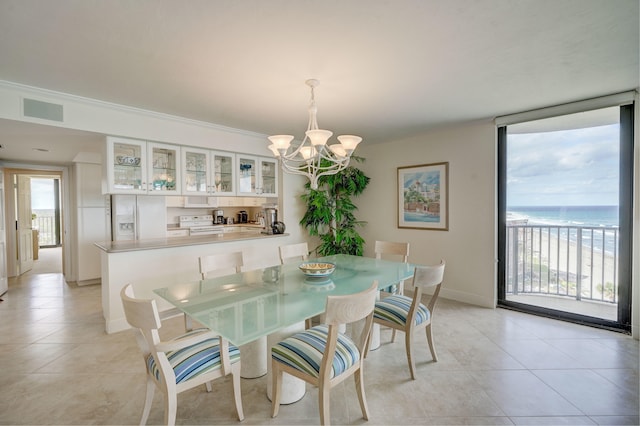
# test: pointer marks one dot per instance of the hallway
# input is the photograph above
(49, 261)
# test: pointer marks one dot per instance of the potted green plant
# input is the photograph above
(330, 211)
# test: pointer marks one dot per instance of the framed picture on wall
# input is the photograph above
(423, 196)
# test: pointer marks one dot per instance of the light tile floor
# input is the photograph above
(495, 367)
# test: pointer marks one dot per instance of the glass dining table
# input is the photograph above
(248, 305)
(274, 302)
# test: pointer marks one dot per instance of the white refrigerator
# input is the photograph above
(138, 217)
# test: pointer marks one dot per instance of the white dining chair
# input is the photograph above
(290, 252)
(182, 363)
(408, 314)
(296, 252)
(393, 251)
(220, 264)
(323, 356)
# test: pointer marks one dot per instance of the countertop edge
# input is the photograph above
(169, 242)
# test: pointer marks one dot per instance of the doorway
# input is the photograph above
(565, 208)
(34, 221)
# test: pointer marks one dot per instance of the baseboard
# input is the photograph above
(89, 282)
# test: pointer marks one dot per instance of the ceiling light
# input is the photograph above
(313, 157)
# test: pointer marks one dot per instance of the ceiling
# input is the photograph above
(387, 69)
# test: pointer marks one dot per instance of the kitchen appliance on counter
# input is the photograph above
(137, 217)
(201, 225)
(243, 216)
(218, 216)
(271, 224)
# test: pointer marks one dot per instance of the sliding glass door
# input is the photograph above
(565, 204)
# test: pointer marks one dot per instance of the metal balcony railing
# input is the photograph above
(579, 262)
(46, 226)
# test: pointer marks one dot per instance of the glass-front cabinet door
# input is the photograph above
(247, 179)
(126, 166)
(224, 171)
(268, 182)
(196, 171)
(164, 169)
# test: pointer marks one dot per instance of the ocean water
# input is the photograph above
(603, 218)
(568, 215)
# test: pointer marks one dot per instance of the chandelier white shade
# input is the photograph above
(313, 157)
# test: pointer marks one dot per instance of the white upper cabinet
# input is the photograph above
(164, 176)
(126, 166)
(196, 173)
(247, 179)
(208, 172)
(139, 167)
(224, 170)
(257, 176)
(268, 176)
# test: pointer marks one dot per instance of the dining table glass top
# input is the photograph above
(246, 306)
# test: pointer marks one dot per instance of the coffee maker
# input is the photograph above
(218, 216)
(271, 224)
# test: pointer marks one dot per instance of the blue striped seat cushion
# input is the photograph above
(303, 351)
(194, 360)
(396, 308)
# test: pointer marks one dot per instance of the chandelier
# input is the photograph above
(313, 157)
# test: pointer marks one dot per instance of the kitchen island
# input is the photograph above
(170, 260)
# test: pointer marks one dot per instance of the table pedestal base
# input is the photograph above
(254, 359)
(375, 337)
(293, 389)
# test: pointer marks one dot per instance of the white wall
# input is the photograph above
(468, 246)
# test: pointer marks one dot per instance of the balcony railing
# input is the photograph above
(578, 262)
(46, 226)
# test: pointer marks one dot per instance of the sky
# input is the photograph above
(42, 195)
(564, 168)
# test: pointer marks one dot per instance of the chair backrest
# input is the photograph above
(299, 251)
(428, 276)
(344, 310)
(388, 249)
(143, 315)
(140, 313)
(221, 264)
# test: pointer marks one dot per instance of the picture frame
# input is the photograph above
(423, 196)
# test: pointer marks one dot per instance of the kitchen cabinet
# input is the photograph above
(140, 167)
(126, 166)
(196, 175)
(257, 176)
(224, 170)
(144, 167)
(268, 176)
(164, 169)
(208, 172)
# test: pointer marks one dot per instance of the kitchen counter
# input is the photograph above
(156, 243)
(164, 261)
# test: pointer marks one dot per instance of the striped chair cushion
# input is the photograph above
(396, 308)
(194, 360)
(304, 351)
